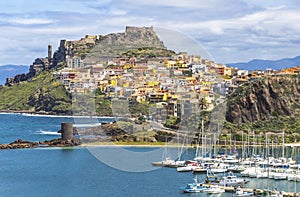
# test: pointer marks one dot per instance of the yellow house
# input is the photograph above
(170, 63)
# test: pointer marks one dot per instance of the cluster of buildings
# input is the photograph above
(176, 86)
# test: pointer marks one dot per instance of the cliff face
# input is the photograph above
(133, 37)
(99, 47)
(263, 99)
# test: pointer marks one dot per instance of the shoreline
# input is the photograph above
(45, 114)
(146, 145)
(125, 144)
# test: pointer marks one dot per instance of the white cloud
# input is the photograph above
(30, 21)
(231, 30)
(117, 12)
(171, 3)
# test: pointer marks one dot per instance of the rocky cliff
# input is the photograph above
(99, 47)
(265, 98)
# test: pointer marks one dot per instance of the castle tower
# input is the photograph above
(49, 53)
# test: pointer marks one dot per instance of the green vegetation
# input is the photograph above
(83, 50)
(42, 94)
(172, 122)
(103, 107)
(139, 109)
(290, 125)
(141, 143)
(148, 52)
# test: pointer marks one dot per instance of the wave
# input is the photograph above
(65, 116)
(44, 115)
(48, 133)
(8, 113)
(87, 125)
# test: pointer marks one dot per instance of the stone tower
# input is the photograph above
(49, 53)
(66, 131)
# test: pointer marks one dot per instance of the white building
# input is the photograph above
(242, 72)
(75, 63)
(198, 68)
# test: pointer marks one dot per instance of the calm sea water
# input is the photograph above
(77, 172)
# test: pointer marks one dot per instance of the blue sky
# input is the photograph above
(229, 31)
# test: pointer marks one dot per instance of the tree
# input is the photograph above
(202, 103)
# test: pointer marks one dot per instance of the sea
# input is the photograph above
(91, 171)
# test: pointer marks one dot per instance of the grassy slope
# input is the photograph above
(31, 95)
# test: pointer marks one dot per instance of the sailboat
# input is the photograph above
(166, 160)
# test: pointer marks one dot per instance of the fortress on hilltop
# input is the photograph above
(91, 49)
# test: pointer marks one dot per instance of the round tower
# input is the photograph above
(67, 131)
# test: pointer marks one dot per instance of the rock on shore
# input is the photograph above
(51, 143)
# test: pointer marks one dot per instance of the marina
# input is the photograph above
(216, 172)
(79, 172)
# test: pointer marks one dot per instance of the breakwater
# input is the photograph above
(47, 143)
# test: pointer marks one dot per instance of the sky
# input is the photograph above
(228, 30)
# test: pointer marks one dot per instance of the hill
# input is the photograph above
(264, 64)
(101, 48)
(7, 71)
(38, 90)
(41, 94)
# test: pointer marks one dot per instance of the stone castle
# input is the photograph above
(91, 49)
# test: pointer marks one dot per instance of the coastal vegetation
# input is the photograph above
(41, 94)
(125, 87)
(266, 105)
(45, 94)
(148, 52)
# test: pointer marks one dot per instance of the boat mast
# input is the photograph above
(205, 145)
(283, 143)
(230, 143)
(253, 143)
(202, 139)
(243, 144)
(248, 143)
(198, 141)
(267, 150)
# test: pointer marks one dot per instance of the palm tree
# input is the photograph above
(202, 103)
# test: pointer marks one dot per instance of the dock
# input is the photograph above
(256, 192)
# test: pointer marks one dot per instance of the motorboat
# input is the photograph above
(188, 166)
(236, 168)
(232, 180)
(293, 177)
(214, 190)
(280, 176)
(240, 192)
(199, 169)
(194, 187)
(168, 162)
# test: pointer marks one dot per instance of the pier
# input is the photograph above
(257, 192)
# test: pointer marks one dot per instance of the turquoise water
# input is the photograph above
(77, 172)
(37, 128)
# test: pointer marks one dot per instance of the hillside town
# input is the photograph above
(166, 81)
(177, 84)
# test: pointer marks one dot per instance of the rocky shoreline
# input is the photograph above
(47, 143)
(30, 112)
